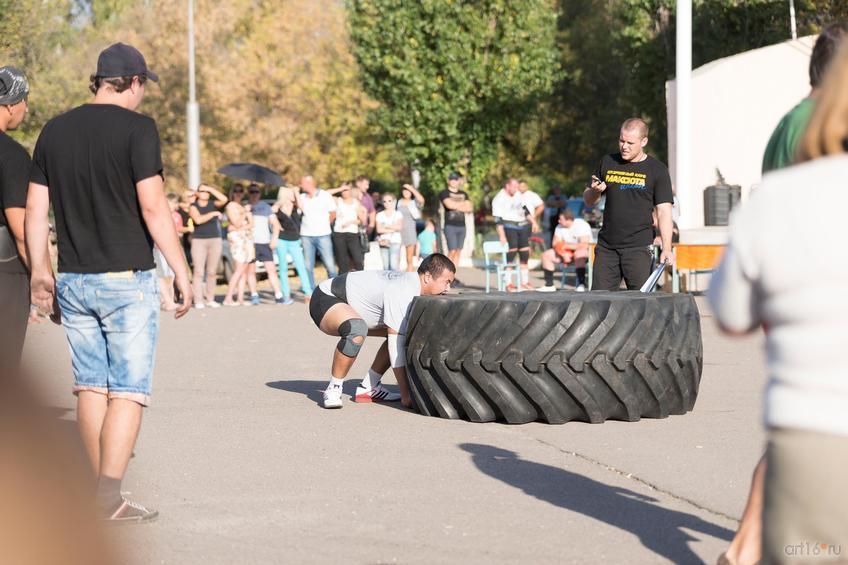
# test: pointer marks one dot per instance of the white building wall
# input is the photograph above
(736, 102)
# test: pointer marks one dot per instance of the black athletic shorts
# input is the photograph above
(633, 264)
(321, 302)
(518, 238)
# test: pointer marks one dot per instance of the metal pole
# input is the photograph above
(192, 110)
(683, 99)
(792, 19)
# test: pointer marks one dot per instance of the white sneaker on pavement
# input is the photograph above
(580, 288)
(333, 396)
(378, 393)
(546, 288)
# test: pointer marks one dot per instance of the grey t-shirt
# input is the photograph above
(382, 298)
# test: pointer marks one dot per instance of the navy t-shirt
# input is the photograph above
(91, 158)
(633, 190)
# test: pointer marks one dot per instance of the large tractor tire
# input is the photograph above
(555, 357)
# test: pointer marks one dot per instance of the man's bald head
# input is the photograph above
(632, 139)
(636, 125)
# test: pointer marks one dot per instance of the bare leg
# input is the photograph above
(117, 439)
(330, 323)
(166, 291)
(453, 255)
(381, 361)
(236, 281)
(251, 277)
(745, 549)
(91, 412)
(271, 269)
(549, 260)
(410, 258)
(242, 283)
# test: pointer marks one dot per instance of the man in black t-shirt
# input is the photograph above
(455, 204)
(100, 166)
(634, 184)
(14, 179)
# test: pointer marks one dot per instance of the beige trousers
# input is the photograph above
(805, 517)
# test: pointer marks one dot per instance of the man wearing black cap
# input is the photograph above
(455, 204)
(100, 166)
(14, 179)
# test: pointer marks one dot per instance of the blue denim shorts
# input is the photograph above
(112, 323)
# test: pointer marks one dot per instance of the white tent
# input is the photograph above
(736, 103)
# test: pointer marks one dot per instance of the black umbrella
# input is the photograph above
(252, 172)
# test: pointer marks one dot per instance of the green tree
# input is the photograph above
(454, 77)
(619, 55)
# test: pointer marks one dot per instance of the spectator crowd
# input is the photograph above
(239, 234)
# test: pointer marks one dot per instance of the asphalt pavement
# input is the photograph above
(245, 467)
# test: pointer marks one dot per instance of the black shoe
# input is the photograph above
(457, 284)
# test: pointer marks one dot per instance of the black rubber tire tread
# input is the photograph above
(554, 358)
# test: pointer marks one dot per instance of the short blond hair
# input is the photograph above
(827, 130)
(636, 124)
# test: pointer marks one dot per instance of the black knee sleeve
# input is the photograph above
(524, 256)
(349, 330)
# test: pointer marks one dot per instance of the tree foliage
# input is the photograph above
(276, 81)
(454, 77)
(535, 88)
(618, 54)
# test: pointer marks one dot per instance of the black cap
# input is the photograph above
(454, 176)
(121, 60)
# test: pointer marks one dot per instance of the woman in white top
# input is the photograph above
(409, 205)
(350, 217)
(806, 326)
(389, 226)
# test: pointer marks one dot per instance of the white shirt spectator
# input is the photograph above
(261, 222)
(532, 201)
(509, 208)
(761, 281)
(383, 219)
(347, 217)
(579, 228)
(316, 213)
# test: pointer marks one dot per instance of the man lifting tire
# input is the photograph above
(376, 303)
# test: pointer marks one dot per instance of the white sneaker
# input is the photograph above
(580, 288)
(378, 393)
(200, 305)
(333, 397)
(546, 288)
(213, 304)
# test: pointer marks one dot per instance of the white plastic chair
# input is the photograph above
(502, 268)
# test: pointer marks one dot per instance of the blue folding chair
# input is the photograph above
(502, 268)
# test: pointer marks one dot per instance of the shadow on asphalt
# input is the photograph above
(313, 389)
(659, 529)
